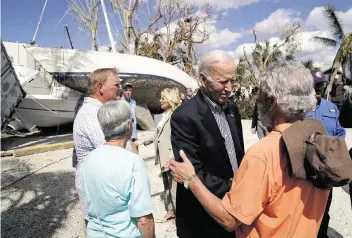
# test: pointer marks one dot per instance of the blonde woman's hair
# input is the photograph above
(172, 97)
(99, 76)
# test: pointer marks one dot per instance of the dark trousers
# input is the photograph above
(262, 131)
(323, 231)
(170, 186)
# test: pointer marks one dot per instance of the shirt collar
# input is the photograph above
(214, 106)
(165, 113)
(130, 101)
(94, 101)
(282, 127)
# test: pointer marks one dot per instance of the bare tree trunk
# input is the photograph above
(94, 42)
(336, 65)
(335, 68)
(131, 12)
(136, 46)
(87, 15)
(189, 53)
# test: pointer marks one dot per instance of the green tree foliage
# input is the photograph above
(341, 40)
(309, 64)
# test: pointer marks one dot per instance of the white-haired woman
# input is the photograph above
(114, 180)
(169, 101)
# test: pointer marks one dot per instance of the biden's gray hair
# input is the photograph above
(114, 118)
(292, 85)
(207, 60)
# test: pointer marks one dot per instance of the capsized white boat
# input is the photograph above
(46, 104)
(149, 76)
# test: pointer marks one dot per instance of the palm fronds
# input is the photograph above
(308, 64)
(334, 22)
(325, 41)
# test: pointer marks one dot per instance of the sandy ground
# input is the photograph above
(38, 197)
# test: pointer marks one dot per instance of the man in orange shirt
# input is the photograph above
(264, 200)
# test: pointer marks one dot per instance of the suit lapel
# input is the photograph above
(163, 125)
(210, 124)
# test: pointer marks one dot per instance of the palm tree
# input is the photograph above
(263, 54)
(343, 55)
(266, 54)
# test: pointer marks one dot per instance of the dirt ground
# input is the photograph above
(38, 197)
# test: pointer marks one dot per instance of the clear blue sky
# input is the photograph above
(20, 17)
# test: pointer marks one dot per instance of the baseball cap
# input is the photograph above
(127, 85)
(318, 77)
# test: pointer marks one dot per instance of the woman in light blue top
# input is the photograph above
(114, 181)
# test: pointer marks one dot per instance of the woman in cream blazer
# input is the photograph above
(169, 101)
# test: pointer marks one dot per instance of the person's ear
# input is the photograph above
(202, 79)
(273, 102)
(100, 88)
(130, 127)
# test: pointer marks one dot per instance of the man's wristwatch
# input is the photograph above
(188, 181)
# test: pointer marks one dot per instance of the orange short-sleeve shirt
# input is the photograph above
(267, 200)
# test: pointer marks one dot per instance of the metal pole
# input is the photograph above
(40, 19)
(18, 54)
(69, 37)
(112, 42)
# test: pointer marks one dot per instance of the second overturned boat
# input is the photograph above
(149, 76)
(54, 78)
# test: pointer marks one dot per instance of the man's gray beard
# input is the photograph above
(263, 111)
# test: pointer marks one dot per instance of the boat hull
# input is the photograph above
(148, 76)
(146, 88)
(46, 110)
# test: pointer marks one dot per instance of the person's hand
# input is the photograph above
(167, 163)
(166, 166)
(137, 142)
(253, 130)
(181, 171)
